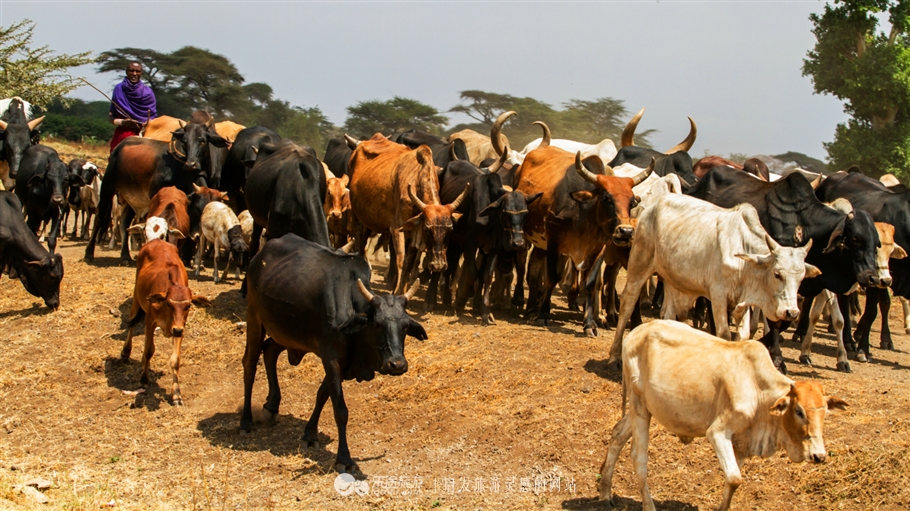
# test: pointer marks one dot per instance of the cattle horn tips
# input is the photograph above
(628, 133)
(351, 141)
(181, 122)
(3, 125)
(364, 291)
(817, 181)
(501, 161)
(688, 142)
(582, 171)
(545, 142)
(34, 123)
(348, 247)
(413, 290)
(414, 198)
(458, 200)
(637, 180)
(496, 132)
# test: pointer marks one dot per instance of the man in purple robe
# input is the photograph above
(133, 106)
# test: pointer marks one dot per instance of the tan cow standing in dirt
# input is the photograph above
(162, 297)
(698, 385)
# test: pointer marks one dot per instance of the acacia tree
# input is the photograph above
(869, 70)
(37, 75)
(397, 114)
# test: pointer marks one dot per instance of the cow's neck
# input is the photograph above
(429, 187)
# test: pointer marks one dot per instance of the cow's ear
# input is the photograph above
(75, 180)
(456, 216)
(136, 229)
(178, 134)
(416, 330)
(835, 403)
(218, 141)
(35, 180)
(492, 208)
(761, 260)
(224, 197)
(780, 406)
(414, 223)
(812, 271)
(836, 240)
(354, 324)
(345, 180)
(582, 196)
(176, 234)
(157, 298)
(897, 252)
(533, 197)
(199, 300)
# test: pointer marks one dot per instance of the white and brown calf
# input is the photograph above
(221, 226)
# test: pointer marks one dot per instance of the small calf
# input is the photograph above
(167, 217)
(90, 197)
(698, 385)
(221, 227)
(161, 294)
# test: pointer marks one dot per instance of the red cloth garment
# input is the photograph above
(121, 133)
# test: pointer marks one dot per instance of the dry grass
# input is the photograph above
(512, 400)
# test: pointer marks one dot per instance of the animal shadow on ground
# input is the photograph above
(36, 309)
(124, 375)
(282, 438)
(120, 335)
(599, 367)
(228, 305)
(622, 503)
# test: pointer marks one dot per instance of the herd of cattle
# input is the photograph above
(727, 241)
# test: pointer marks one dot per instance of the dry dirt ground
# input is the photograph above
(511, 416)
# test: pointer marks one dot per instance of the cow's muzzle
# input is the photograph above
(873, 279)
(177, 332)
(58, 200)
(394, 366)
(622, 235)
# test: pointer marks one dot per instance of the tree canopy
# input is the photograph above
(37, 75)
(869, 70)
(397, 114)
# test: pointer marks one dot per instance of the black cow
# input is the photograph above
(42, 185)
(235, 171)
(23, 258)
(844, 245)
(679, 163)
(201, 149)
(443, 150)
(338, 156)
(285, 192)
(313, 299)
(889, 205)
(17, 133)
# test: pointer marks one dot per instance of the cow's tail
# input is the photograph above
(626, 386)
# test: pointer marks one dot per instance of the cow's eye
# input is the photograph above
(799, 413)
(777, 275)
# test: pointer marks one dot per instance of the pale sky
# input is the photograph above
(732, 66)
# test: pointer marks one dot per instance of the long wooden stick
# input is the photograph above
(109, 99)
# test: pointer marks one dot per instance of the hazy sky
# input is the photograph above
(733, 66)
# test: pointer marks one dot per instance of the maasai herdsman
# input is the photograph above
(135, 105)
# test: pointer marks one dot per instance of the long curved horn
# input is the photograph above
(348, 247)
(686, 144)
(364, 291)
(817, 181)
(181, 123)
(3, 125)
(34, 123)
(210, 122)
(452, 155)
(351, 141)
(628, 133)
(496, 131)
(546, 134)
(416, 200)
(637, 180)
(501, 161)
(582, 171)
(773, 245)
(683, 181)
(413, 290)
(458, 200)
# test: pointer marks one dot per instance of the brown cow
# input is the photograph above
(161, 293)
(707, 163)
(167, 217)
(583, 208)
(337, 207)
(160, 128)
(396, 190)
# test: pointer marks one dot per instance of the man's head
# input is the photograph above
(134, 72)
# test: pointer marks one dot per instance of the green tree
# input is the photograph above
(397, 114)
(869, 70)
(77, 121)
(593, 121)
(37, 75)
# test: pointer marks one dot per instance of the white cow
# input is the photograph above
(605, 149)
(697, 385)
(220, 226)
(725, 255)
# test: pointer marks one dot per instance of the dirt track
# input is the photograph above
(523, 407)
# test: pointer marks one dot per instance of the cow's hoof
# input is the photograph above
(614, 365)
(176, 401)
(805, 359)
(488, 319)
(798, 339)
(844, 367)
(343, 468)
(850, 346)
(907, 331)
(780, 365)
(310, 444)
(590, 332)
(244, 431)
(887, 345)
(541, 321)
(861, 357)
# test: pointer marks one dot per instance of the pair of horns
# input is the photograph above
(608, 171)
(423, 205)
(32, 124)
(628, 135)
(369, 296)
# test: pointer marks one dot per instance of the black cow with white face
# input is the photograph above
(309, 298)
(23, 258)
(42, 185)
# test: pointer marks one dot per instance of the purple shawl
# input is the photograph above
(136, 100)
